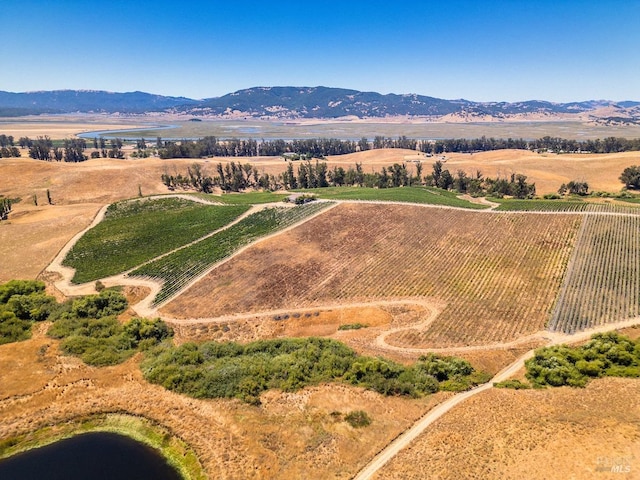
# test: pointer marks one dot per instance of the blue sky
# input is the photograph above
(562, 50)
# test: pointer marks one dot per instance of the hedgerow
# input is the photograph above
(231, 370)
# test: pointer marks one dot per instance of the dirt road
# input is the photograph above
(421, 425)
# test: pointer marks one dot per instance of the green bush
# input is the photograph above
(358, 419)
(105, 341)
(606, 354)
(19, 287)
(352, 326)
(226, 370)
(13, 329)
(105, 303)
(21, 303)
(513, 384)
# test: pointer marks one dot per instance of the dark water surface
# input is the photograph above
(95, 456)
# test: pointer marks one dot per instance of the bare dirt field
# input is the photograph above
(291, 435)
(498, 281)
(533, 434)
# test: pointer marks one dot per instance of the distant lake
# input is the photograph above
(270, 129)
(95, 456)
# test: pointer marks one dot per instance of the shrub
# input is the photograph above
(105, 341)
(105, 303)
(13, 329)
(358, 419)
(514, 384)
(19, 287)
(352, 326)
(606, 354)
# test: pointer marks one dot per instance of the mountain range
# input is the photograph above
(313, 102)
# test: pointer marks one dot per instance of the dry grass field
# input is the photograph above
(498, 281)
(62, 126)
(534, 434)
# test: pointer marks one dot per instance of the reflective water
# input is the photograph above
(95, 456)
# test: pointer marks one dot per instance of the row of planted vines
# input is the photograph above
(180, 267)
(602, 280)
(497, 273)
(135, 231)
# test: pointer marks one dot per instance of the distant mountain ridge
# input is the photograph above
(312, 102)
(85, 101)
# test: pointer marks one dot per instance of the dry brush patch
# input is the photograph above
(498, 274)
(535, 434)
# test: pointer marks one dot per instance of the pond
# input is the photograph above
(98, 456)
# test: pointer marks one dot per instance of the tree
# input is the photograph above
(461, 182)
(116, 149)
(577, 188)
(73, 150)
(40, 149)
(437, 172)
(5, 208)
(631, 177)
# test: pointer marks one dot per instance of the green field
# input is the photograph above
(426, 195)
(134, 232)
(513, 205)
(178, 268)
(248, 198)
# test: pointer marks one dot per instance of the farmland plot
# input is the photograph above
(178, 268)
(602, 284)
(497, 273)
(135, 231)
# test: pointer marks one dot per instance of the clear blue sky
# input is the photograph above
(561, 50)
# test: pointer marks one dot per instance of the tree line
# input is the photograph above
(213, 147)
(69, 150)
(321, 147)
(235, 177)
(43, 148)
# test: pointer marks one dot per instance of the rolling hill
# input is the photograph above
(313, 102)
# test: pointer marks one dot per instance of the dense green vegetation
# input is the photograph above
(87, 326)
(606, 354)
(136, 231)
(247, 198)
(228, 370)
(22, 302)
(178, 268)
(426, 195)
(631, 177)
(513, 205)
(105, 341)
